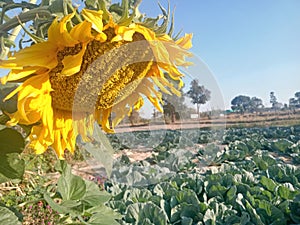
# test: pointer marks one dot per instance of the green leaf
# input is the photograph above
(101, 149)
(71, 187)
(55, 206)
(11, 144)
(91, 3)
(185, 210)
(295, 209)
(285, 192)
(9, 105)
(138, 213)
(70, 204)
(93, 195)
(137, 195)
(281, 145)
(7, 217)
(11, 141)
(272, 215)
(11, 167)
(117, 205)
(216, 190)
(268, 183)
(58, 7)
(165, 190)
(254, 216)
(231, 193)
(186, 221)
(103, 215)
(187, 196)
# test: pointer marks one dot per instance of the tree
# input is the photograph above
(134, 117)
(255, 104)
(174, 106)
(199, 94)
(241, 104)
(273, 99)
(295, 102)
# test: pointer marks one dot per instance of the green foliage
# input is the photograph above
(253, 180)
(79, 198)
(8, 217)
(11, 145)
(9, 105)
(250, 184)
(145, 213)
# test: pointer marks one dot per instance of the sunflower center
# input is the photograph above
(110, 72)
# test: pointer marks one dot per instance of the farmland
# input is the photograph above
(233, 176)
(189, 176)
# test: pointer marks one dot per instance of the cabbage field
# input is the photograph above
(191, 177)
(237, 176)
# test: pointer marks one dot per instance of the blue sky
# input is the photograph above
(252, 47)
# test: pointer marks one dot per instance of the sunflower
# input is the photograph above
(88, 71)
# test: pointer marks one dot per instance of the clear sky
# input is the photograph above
(252, 47)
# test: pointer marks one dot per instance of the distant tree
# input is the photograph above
(241, 104)
(169, 112)
(174, 105)
(273, 99)
(255, 104)
(134, 117)
(295, 102)
(199, 94)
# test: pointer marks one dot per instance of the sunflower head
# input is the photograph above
(93, 67)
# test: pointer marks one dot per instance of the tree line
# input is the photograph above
(243, 103)
(175, 107)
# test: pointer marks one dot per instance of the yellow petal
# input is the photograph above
(147, 33)
(186, 41)
(123, 33)
(139, 104)
(58, 145)
(155, 102)
(82, 32)
(72, 63)
(101, 37)
(34, 99)
(105, 121)
(17, 74)
(58, 33)
(94, 17)
(41, 54)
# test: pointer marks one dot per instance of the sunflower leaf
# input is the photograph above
(33, 37)
(11, 141)
(101, 149)
(11, 144)
(171, 30)
(102, 6)
(166, 13)
(7, 217)
(11, 167)
(71, 187)
(9, 105)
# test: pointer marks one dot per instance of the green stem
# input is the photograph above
(24, 17)
(76, 14)
(29, 202)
